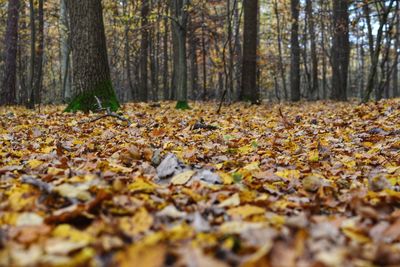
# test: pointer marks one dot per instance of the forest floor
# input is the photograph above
(310, 184)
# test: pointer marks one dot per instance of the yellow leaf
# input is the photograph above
(230, 202)
(288, 174)
(119, 168)
(356, 236)
(71, 191)
(182, 178)
(48, 149)
(226, 178)
(78, 142)
(139, 223)
(245, 211)
(54, 171)
(34, 163)
(142, 255)
(141, 185)
(66, 231)
(245, 149)
(313, 156)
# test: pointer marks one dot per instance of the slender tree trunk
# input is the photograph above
(340, 50)
(204, 54)
(65, 52)
(32, 52)
(193, 61)
(144, 48)
(295, 52)
(376, 51)
(307, 76)
(8, 94)
(249, 70)
(165, 60)
(314, 57)
(279, 41)
(238, 50)
(22, 93)
(37, 81)
(396, 58)
(324, 67)
(127, 51)
(91, 72)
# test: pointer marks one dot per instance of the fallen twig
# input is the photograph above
(109, 113)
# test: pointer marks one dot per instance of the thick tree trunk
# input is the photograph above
(144, 48)
(340, 50)
(180, 15)
(91, 72)
(295, 52)
(249, 90)
(8, 94)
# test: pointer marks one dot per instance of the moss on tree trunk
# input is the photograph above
(86, 101)
(182, 105)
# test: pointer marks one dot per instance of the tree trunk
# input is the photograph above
(249, 90)
(144, 48)
(340, 50)
(396, 57)
(65, 52)
(180, 15)
(279, 41)
(324, 67)
(165, 61)
(314, 58)
(91, 72)
(295, 52)
(204, 54)
(127, 52)
(32, 51)
(193, 61)
(376, 51)
(37, 80)
(8, 95)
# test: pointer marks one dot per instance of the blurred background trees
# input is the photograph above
(199, 50)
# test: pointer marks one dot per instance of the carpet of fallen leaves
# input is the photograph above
(313, 184)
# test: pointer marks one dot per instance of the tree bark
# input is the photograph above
(249, 90)
(295, 52)
(144, 48)
(65, 52)
(165, 61)
(376, 51)
(91, 72)
(396, 58)
(314, 57)
(180, 15)
(9, 82)
(279, 41)
(340, 50)
(38, 73)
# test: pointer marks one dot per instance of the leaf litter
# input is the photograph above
(310, 184)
